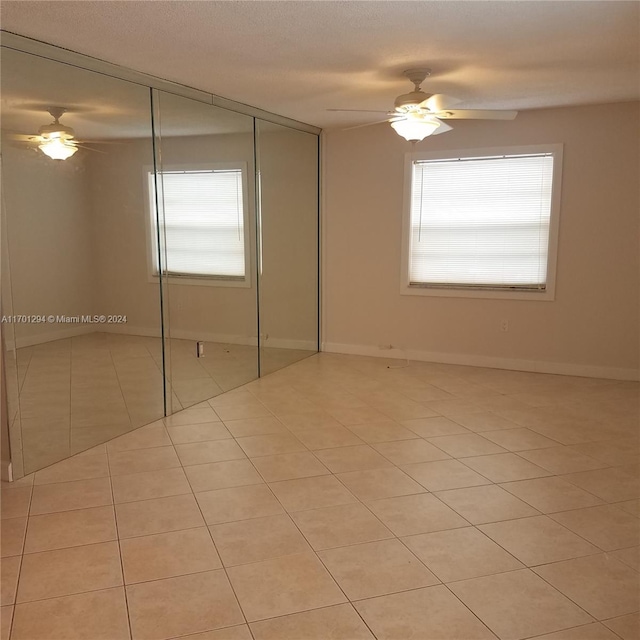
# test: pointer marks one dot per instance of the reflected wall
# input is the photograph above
(175, 223)
(207, 223)
(288, 216)
(74, 381)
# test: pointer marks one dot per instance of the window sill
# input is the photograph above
(521, 294)
(203, 282)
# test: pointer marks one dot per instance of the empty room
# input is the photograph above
(320, 320)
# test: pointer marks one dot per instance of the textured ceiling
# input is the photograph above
(300, 58)
(98, 106)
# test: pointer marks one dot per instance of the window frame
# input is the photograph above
(548, 294)
(150, 228)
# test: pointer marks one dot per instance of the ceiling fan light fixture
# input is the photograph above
(414, 128)
(57, 148)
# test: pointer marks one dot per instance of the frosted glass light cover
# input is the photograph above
(415, 129)
(58, 149)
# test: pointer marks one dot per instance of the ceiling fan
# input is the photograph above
(55, 140)
(417, 114)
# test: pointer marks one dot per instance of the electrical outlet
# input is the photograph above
(504, 325)
(199, 349)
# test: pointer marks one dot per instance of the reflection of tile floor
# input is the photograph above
(307, 506)
(79, 392)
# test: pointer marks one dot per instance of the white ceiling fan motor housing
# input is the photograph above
(55, 129)
(411, 101)
(408, 102)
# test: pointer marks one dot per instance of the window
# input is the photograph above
(482, 223)
(204, 224)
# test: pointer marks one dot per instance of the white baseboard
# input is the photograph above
(283, 343)
(78, 330)
(50, 336)
(225, 338)
(536, 366)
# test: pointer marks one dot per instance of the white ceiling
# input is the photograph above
(299, 58)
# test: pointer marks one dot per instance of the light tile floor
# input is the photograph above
(69, 395)
(342, 498)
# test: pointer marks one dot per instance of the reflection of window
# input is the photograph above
(482, 222)
(202, 224)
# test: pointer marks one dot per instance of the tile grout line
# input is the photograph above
(206, 525)
(327, 569)
(562, 593)
(419, 560)
(542, 515)
(289, 516)
(124, 399)
(444, 584)
(603, 623)
(15, 599)
(315, 553)
(115, 519)
(318, 558)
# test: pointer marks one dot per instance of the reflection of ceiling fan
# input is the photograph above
(418, 114)
(55, 140)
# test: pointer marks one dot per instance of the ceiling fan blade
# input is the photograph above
(439, 102)
(476, 114)
(359, 110)
(82, 146)
(99, 142)
(22, 137)
(443, 128)
(367, 124)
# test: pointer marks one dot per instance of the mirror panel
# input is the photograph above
(205, 188)
(87, 351)
(288, 216)
(14, 367)
(134, 228)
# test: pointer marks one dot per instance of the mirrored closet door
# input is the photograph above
(287, 162)
(157, 251)
(206, 225)
(83, 347)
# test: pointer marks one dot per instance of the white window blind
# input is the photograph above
(203, 223)
(481, 222)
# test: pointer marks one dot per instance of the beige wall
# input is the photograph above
(118, 189)
(116, 184)
(592, 326)
(205, 312)
(48, 227)
(288, 163)
(79, 245)
(289, 204)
